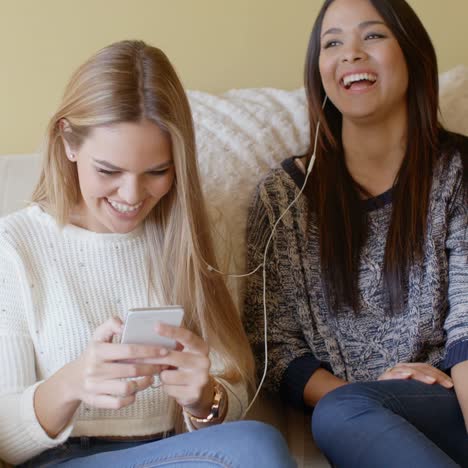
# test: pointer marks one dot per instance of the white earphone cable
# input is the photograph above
(265, 319)
(263, 264)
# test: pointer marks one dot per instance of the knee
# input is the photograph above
(264, 440)
(341, 411)
(257, 433)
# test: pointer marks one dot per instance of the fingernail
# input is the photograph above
(428, 378)
(163, 352)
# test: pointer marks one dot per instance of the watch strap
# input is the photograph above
(216, 406)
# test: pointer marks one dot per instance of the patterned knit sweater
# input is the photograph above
(56, 286)
(303, 335)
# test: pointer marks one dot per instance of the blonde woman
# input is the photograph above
(118, 221)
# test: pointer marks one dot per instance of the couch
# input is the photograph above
(240, 135)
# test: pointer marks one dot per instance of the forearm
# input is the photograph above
(55, 401)
(320, 383)
(460, 378)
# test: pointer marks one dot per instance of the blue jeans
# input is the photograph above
(235, 445)
(391, 424)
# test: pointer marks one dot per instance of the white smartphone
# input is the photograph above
(140, 323)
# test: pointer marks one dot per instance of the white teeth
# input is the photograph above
(350, 79)
(124, 208)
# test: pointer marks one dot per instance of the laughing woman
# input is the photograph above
(367, 284)
(118, 221)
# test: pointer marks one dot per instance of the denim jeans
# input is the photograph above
(391, 424)
(240, 444)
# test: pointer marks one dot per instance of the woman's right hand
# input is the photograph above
(99, 378)
(109, 375)
(417, 371)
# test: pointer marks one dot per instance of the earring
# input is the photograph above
(71, 157)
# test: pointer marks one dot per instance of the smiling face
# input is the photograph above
(124, 170)
(362, 66)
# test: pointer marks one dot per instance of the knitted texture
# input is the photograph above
(358, 347)
(56, 287)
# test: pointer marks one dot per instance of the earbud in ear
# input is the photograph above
(317, 128)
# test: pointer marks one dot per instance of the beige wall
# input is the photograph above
(214, 44)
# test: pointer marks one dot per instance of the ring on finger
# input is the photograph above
(157, 382)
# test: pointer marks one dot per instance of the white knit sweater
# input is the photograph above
(56, 286)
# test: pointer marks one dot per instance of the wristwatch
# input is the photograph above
(216, 406)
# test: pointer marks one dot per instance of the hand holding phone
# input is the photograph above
(140, 325)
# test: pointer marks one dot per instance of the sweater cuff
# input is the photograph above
(37, 434)
(295, 379)
(456, 353)
(237, 400)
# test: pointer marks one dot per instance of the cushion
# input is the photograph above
(18, 176)
(454, 99)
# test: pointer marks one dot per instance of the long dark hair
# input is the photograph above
(333, 194)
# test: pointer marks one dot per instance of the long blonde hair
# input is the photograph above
(126, 82)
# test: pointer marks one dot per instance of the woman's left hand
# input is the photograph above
(187, 376)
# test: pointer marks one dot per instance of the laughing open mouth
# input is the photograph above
(360, 78)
